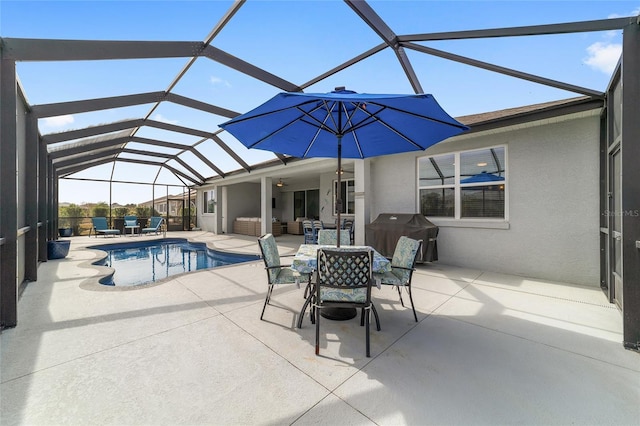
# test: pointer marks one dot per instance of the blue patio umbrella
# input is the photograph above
(344, 124)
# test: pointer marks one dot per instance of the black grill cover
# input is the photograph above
(383, 234)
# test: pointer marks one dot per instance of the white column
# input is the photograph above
(266, 212)
(362, 176)
(219, 225)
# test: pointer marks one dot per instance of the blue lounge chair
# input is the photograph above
(131, 222)
(154, 225)
(100, 227)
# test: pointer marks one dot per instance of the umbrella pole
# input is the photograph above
(339, 191)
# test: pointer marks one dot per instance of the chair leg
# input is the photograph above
(375, 314)
(303, 310)
(412, 306)
(317, 334)
(400, 294)
(266, 299)
(366, 319)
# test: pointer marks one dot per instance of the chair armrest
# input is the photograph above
(276, 266)
(402, 267)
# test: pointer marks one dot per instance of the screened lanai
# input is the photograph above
(126, 119)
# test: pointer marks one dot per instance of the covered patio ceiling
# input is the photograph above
(146, 142)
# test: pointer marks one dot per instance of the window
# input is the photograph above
(306, 204)
(463, 185)
(347, 191)
(209, 201)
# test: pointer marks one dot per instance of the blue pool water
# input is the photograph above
(145, 262)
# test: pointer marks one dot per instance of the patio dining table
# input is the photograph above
(305, 261)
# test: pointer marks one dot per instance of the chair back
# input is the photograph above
(270, 255)
(308, 231)
(99, 223)
(347, 224)
(130, 220)
(329, 237)
(344, 275)
(405, 256)
(155, 222)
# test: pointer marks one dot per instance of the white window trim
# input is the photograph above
(457, 221)
(335, 198)
(205, 197)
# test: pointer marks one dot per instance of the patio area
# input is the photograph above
(488, 349)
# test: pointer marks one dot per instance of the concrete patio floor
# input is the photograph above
(488, 349)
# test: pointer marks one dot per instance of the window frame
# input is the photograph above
(457, 219)
(346, 196)
(208, 195)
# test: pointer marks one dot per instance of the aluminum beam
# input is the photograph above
(377, 24)
(23, 49)
(43, 200)
(91, 131)
(565, 28)
(244, 67)
(87, 105)
(8, 201)
(506, 71)
(630, 151)
(345, 65)
(31, 198)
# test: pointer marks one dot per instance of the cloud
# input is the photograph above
(163, 119)
(216, 81)
(59, 121)
(603, 56)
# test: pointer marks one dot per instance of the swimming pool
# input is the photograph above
(144, 262)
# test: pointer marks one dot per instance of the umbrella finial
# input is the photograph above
(340, 88)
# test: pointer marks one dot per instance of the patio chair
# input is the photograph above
(154, 225)
(131, 222)
(317, 226)
(347, 224)
(329, 237)
(402, 267)
(277, 273)
(100, 227)
(309, 232)
(343, 280)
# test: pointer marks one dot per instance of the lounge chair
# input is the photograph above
(100, 227)
(131, 222)
(154, 225)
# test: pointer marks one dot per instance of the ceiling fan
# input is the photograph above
(280, 183)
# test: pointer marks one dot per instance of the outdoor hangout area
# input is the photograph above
(487, 348)
(244, 212)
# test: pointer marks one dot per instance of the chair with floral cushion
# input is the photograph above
(277, 273)
(329, 237)
(343, 280)
(402, 267)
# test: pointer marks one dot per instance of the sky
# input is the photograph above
(297, 40)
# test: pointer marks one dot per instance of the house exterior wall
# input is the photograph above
(552, 231)
(236, 200)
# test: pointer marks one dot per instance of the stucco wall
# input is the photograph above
(553, 190)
